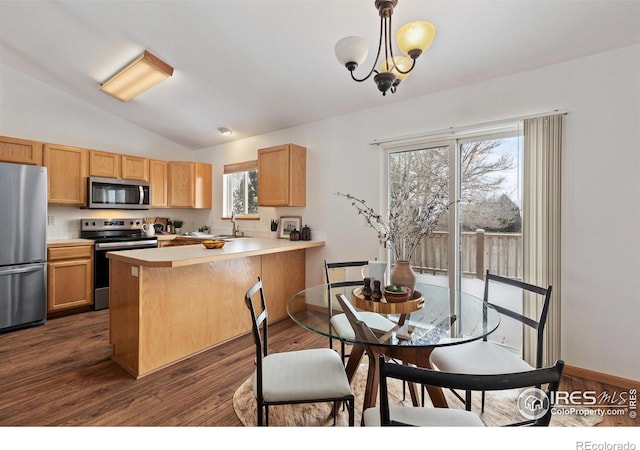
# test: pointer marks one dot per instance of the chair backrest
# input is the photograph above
(549, 376)
(537, 324)
(342, 265)
(259, 325)
(346, 282)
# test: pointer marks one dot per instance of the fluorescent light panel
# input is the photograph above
(142, 74)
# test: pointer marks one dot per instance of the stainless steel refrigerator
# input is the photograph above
(23, 246)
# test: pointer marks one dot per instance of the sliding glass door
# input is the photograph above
(482, 175)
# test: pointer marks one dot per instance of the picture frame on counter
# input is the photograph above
(288, 224)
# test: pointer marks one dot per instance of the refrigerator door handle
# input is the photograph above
(20, 270)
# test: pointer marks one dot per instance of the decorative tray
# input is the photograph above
(413, 304)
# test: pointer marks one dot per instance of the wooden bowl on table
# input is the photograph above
(213, 243)
(396, 294)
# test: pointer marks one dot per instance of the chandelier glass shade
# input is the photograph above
(413, 39)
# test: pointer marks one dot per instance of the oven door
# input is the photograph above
(101, 267)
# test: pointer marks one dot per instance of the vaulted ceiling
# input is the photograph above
(264, 65)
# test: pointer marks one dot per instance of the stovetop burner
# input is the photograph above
(113, 230)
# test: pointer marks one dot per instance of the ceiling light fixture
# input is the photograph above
(143, 73)
(413, 38)
(225, 131)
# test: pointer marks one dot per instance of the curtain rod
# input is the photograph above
(452, 130)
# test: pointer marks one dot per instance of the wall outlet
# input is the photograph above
(134, 271)
(51, 220)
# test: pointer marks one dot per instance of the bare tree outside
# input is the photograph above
(484, 202)
(245, 192)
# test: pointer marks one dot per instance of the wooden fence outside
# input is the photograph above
(500, 253)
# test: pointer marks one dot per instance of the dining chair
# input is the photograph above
(301, 376)
(339, 322)
(485, 357)
(364, 334)
(534, 405)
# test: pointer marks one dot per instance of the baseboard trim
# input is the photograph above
(601, 377)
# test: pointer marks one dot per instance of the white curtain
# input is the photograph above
(541, 227)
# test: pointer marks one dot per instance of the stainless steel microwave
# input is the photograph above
(111, 193)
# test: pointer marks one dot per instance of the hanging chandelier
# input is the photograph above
(413, 38)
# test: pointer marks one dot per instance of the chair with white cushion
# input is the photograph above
(484, 357)
(534, 404)
(302, 376)
(339, 322)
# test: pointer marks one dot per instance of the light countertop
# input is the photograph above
(69, 242)
(187, 255)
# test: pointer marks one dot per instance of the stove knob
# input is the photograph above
(93, 223)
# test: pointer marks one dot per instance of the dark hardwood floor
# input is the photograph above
(61, 373)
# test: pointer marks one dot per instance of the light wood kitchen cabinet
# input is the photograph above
(104, 164)
(135, 168)
(20, 151)
(158, 183)
(69, 277)
(189, 184)
(68, 169)
(282, 176)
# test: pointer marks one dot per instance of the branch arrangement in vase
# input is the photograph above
(411, 218)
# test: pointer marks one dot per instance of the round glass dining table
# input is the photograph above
(438, 317)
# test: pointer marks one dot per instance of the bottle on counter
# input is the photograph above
(294, 235)
(305, 234)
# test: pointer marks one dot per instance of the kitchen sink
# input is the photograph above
(201, 235)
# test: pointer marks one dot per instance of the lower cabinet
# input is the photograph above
(69, 278)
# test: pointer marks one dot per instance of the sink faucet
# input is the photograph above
(234, 227)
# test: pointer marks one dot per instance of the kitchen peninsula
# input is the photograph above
(169, 303)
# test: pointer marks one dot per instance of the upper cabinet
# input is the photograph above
(282, 176)
(172, 184)
(158, 183)
(68, 168)
(104, 164)
(20, 151)
(189, 184)
(135, 168)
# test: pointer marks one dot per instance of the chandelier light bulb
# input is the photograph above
(351, 51)
(401, 62)
(415, 37)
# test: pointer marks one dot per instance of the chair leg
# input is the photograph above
(467, 400)
(342, 352)
(266, 415)
(259, 415)
(352, 411)
(482, 401)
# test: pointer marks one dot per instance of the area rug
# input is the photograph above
(500, 408)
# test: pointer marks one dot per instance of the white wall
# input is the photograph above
(601, 160)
